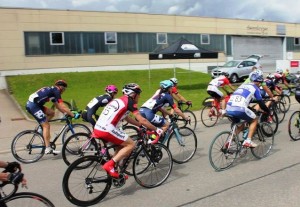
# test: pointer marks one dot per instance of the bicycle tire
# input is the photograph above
(184, 151)
(286, 101)
(58, 114)
(220, 156)
(76, 129)
(264, 138)
(294, 126)
(153, 167)
(274, 123)
(72, 148)
(27, 199)
(280, 110)
(85, 186)
(192, 124)
(28, 146)
(209, 116)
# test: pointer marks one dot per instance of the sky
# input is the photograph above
(287, 11)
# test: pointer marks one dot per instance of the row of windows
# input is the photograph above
(52, 43)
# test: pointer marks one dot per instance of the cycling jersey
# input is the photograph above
(93, 106)
(35, 104)
(113, 113)
(279, 77)
(213, 85)
(174, 90)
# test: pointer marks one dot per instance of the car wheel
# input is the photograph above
(234, 78)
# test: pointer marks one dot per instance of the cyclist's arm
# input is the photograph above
(268, 91)
(143, 121)
(130, 120)
(263, 106)
(181, 97)
(175, 97)
(62, 108)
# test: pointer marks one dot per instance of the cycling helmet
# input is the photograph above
(280, 71)
(174, 80)
(270, 76)
(111, 89)
(256, 77)
(166, 84)
(61, 83)
(225, 74)
(131, 88)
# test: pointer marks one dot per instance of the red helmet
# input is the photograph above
(61, 83)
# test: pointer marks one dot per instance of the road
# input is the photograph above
(271, 181)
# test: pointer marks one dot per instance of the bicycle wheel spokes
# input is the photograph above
(182, 145)
(222, 153)
(152, 168)
(264, 138)
(193, 123)
(78, 145)
(294, 126)
(76, 128)
(209, 116)
(28, 199)
(84, 186)
(28, 146)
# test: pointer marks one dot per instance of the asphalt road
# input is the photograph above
(272, 181)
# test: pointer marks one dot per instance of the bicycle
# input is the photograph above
(226, 146)
(181, 141)
(82, 144)
(285, 99)
(188, 113)
(212, 110)
(10, 198)
(86, 183)
(29, 146)
(294, 126)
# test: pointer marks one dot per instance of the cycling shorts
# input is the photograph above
(110, 133)
(38, 112)
(214, 91)
(244, 114)
(153, 118)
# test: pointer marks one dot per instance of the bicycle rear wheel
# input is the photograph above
(264, 138)
(28, 146)
(193, 124)
(78, 145)
(294, 126)
(221, 155)
(280, 110)
(286, 101)
(76, 128)
(182, 144)
(274, 122)
(152, 167)
(28, 199)
(85, 186)
(209, 116)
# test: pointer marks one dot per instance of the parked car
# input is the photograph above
(237, 69)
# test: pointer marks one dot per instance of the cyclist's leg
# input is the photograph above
(155, 119)
(251, 118)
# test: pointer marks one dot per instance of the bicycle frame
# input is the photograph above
(173, 127)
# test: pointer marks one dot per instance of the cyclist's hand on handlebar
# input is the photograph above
(12, 167)
(188, 120)
(76, 115)
(15, 178)
(189, 103)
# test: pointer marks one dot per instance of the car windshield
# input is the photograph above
(231, 63)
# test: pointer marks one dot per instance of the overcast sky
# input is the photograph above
(269, 10)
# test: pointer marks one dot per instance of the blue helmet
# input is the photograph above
(166, 84)
(256, 76)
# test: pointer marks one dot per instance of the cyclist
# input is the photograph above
(175, 93)
(271, 84)
(42, 114)
(97, 102)
(281, 77)
(114, 112)
(161, 98)
(215, 84)
(237, 106)
(10, 173)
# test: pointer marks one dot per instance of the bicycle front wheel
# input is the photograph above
(152, 165)
(28, 199)
(85, 186)
(294, 126)
(193, 124)
(182, 144)
(78, 145)
(264, 138)
(280, 110)
(209, 116)
(28, 146)
(286, 101)
(76, 128)
(222, 153)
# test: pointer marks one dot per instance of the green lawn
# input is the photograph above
(83, 86)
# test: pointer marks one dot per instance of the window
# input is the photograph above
(297, 41)
(57, 38)
(110, 38)
(161, 38)
(205, 40)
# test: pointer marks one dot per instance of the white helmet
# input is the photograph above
(174, 80)
(131, 88)
(280, 71)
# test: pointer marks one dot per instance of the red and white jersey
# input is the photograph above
(219, 81)
(114, 112)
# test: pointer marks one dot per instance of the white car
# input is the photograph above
(237, 69)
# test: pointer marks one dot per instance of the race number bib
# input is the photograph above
(92, 103)
(237, 100)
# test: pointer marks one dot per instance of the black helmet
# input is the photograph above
(61, 83)
(131, 88)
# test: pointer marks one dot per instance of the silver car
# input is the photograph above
(237, 69)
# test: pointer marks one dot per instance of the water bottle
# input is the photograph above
(245, 133)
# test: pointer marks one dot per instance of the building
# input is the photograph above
(38, 40)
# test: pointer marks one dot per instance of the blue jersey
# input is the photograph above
(46, 94)
(241, 98)
(271, 84)
(159, 100)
